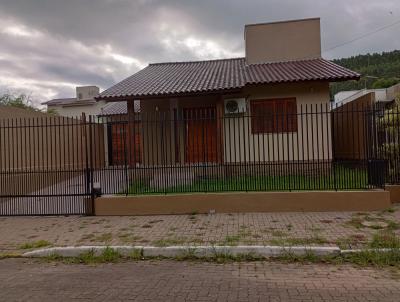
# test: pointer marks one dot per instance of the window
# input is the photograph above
(272, 116)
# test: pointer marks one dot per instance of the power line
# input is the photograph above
(363, 36)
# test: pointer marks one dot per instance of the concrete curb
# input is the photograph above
(196, 251)
(381, 250)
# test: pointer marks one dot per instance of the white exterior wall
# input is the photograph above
(76, 111)
(283, 146)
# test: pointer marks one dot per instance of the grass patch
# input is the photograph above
(390, 258)
(389, 210)
(108, 255)
(364, 258)
(9, 255)
(340, 178)
(232, 240)
(373, 258)
(278, 233)
(169, 242)
(35, 245)
(106, 237)
(128, 238)
(241, 236)
(358, 220)
(351, 241)
(385, 239)
(298, 241)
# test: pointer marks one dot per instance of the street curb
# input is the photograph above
(196, 251)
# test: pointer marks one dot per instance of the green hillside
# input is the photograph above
(385, 66)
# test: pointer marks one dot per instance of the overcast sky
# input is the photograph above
(47, 47)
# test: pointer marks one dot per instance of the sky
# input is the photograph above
(48, 47)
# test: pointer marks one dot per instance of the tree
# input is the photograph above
(389, 131)
(385, 83)
(20, 101)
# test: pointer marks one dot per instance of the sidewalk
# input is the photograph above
(345, 229)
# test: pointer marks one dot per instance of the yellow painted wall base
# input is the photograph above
(394, 191)
(242, 202)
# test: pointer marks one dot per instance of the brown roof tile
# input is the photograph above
(222, 75)
(118, 108)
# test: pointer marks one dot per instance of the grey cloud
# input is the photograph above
(135, 29)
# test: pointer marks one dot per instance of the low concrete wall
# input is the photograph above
(394, 191)
(241, 202)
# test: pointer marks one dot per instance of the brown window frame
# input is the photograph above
(283, 113)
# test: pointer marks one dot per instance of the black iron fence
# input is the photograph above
(56, 165)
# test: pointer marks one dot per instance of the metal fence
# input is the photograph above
(56, 165)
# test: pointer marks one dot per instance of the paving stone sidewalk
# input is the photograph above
(346, 229)
(34, 280)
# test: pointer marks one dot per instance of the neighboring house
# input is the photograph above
(281, 73)
(349, 120)
(115, 116)
(84, 102)
(382, 95)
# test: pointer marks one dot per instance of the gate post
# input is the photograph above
(88, 164)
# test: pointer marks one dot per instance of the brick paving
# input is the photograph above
(32, 280)
(328, 228)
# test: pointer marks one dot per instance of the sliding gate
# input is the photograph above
(47, 165)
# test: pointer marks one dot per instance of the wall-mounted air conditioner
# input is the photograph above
(233, 106)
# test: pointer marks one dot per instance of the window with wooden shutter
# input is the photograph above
(273, 116)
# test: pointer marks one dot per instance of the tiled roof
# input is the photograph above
(297, 71)
(118, 108)
(55, 102)
(69, 102)
(222, 75)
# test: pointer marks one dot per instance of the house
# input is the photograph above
(281, 74)
(83, 102)
(381, 95)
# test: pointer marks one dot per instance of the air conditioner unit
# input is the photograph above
(235, 105)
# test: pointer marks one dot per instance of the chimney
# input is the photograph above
(87, 93)
(282, 41)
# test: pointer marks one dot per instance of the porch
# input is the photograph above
(192, 145)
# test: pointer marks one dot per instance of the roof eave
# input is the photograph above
(168, 95)
(335, 79)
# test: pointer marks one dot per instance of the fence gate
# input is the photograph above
(47, 165)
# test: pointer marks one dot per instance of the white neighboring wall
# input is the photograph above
(343, 97)
(84, 102)
(77, 110)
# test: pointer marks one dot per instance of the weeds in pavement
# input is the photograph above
(128, 238)
(315, 239)
(108, 255)
(35, 245)
(171, 241)
(385, 239)
(351, 241)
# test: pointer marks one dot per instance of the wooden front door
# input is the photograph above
(201, 135)
(124, 150)
(118, 142)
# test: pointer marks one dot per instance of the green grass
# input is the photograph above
(341, 179)
(34, 245)
(385, 239)
(108, 255)
(369, 256)
(390, 258)
(169, 242)
(364, 258)
(314, 240)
